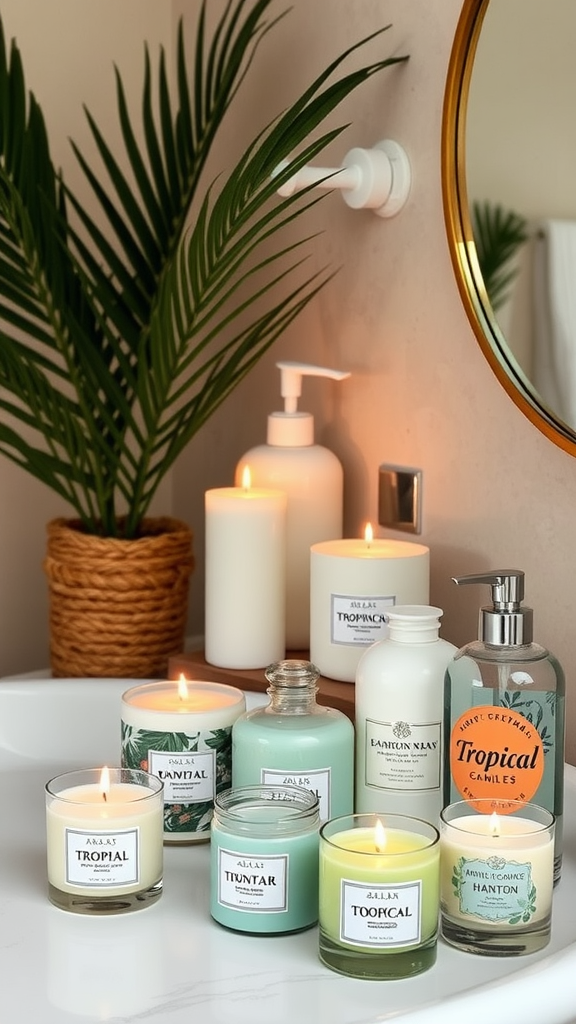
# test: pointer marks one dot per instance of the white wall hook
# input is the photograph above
(376, 179)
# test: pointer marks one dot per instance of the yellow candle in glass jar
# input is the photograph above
(379, 891)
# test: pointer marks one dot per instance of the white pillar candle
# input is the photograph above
(181, 732)
(245, 577)
(352, 584)
(104, 839)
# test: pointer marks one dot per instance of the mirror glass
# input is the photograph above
(509, 162)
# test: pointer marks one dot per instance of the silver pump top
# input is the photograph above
(504, 622)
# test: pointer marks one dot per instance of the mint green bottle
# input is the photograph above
(294, 741)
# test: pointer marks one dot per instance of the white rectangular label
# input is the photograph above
(358, 621)
(102, 859)
(252, 882)
(380, 915)
(401, 755)
(188, 777)
(317, 781)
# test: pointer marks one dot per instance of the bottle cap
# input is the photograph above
(409, 623)
(504, 622)
(291, 428)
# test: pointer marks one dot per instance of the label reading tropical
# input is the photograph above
(358, 621)
(193, 767)
(102, 859)
(496, 752)
(385, 916)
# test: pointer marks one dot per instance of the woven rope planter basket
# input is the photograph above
(117, 607)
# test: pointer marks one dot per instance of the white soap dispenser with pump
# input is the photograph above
(313, 480)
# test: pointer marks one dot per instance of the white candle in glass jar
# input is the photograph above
(245, 576)
(496, 868)
(352, 584)
(104, 837)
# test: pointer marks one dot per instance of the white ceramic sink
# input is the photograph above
(170, 963)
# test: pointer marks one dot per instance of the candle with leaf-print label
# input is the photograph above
(181, 731)
(497, 868)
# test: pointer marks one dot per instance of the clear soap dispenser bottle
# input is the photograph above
(313, 480)
(504, 709)
(296, 741)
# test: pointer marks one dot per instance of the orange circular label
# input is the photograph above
(497, 753)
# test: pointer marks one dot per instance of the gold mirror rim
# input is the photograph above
(460, 235)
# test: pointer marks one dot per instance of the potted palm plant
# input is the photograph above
(123, 326)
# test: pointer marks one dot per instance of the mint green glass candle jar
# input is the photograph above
(264, 859)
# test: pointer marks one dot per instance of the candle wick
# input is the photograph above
(104, 797)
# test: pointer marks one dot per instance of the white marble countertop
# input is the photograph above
(170, 963)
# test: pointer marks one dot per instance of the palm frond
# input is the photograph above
(498, 235)
(121, 334)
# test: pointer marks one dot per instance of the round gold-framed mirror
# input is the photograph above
(475, 58)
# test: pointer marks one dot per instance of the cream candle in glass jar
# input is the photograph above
(181, 732)
(104, 840)
(497, 870)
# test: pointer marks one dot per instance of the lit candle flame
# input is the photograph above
(246, 478)
(494, 824)
(182, 688)
(379, 837)
(368, 534)
(105, 783)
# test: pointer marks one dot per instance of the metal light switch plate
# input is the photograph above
(400, 498)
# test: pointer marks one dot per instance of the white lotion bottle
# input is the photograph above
(313, 480)
(399, 700)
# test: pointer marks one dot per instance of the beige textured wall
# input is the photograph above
(496, 492)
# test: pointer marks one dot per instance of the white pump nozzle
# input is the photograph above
(291, 428)
(291, 380)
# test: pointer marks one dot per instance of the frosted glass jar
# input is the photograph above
(264, 859)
